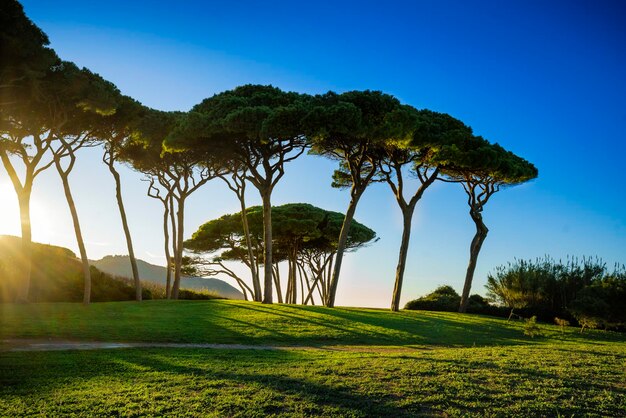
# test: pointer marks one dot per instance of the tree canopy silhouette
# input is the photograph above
(260, 128)
(482, 169)
(304, 237)
(350, 128)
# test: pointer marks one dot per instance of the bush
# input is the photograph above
(444, 298)
(193, 294)
(547, 288)
(531, 328)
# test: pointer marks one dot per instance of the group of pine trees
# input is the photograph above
(50, 108)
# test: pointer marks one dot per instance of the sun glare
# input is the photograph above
(10, 216)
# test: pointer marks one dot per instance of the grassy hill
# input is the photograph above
(119, 265)
(343, 362)
(56, 275)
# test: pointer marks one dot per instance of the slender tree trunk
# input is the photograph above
(477, 242)
(407, 216)
(23, 286)
(341, 245)
(77, 231)
(129, 242)
(178, 257)
(279, 291)
(256, 284)
(267, 246)
(293, 280)
(168, 257)
(174, 241)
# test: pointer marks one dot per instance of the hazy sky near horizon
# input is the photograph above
(544, 79)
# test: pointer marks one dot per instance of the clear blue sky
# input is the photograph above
(546, 80)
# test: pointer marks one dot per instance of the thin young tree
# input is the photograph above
(82, 99)
(116, 131)
(482, 169)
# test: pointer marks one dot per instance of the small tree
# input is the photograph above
(115, 132)
(82, 99)
(531, 328)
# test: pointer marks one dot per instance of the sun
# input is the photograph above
(10, 215)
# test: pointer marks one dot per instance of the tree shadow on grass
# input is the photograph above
(239, 373)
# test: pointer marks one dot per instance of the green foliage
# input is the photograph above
(196, 294)
(475, 159)
(444, 298)
(24, 56)
(547, 288)
(294, 225)
(531, 328)
(601, 304)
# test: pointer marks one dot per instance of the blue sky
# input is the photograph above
(544, 79)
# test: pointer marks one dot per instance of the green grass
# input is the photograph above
(364, 362)
(226, 322)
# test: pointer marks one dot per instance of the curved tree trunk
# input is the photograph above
(341, 246)
(178, 256)
(168, 257)
(477, 242)
(77, 231)
(174, 244)
(129, 242)
(267, 247)
(407, 216)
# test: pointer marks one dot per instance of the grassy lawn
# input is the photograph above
(226, 322)
(363, 362)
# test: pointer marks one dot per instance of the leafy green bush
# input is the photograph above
(444, 298)
(602, 304)
(545, 287)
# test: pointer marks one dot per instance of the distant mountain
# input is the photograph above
(119, 265)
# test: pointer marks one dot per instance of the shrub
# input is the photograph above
(444, 298)
(531, 328)
(194, 294)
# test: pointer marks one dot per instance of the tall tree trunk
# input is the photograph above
(168, 257)
(256, 283)
(77, 231)
(129, 242)
(407, 216)
(267, 246)
(477, 242)
(341, 245)
(174, 241)
(22, 289)
(178, 257)
(279, 291)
